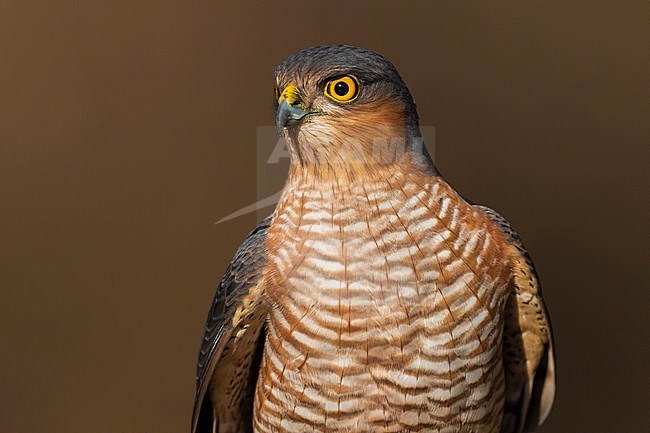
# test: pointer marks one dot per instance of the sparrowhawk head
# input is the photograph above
(344, 105)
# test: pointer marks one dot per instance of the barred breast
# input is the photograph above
(387, 301)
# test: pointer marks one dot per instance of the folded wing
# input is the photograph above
(528, 343)
(232, 345)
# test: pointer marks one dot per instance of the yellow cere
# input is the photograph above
(290, 94)
(344, 89)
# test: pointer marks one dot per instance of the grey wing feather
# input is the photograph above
(232, 307)
(528, 355)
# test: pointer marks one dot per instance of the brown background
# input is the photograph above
(128, 128)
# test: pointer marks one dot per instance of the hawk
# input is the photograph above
(375, 298)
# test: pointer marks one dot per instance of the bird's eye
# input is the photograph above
(344, 89)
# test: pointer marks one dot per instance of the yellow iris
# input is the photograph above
(344, 89)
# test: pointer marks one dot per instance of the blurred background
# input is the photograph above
(127, 129)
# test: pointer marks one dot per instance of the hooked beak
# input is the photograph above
(288, 115)
(289, 111)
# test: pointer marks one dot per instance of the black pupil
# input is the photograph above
(341, 88)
